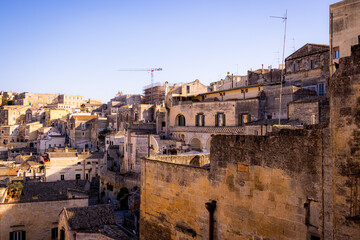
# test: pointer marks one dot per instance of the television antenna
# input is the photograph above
(284, 18)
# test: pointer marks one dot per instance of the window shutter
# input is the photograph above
(248, 118)
(216, 120)
(240, 119)
(203, 121)
(197, 120)
(224, 123)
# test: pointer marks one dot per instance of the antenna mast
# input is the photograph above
(282, 62)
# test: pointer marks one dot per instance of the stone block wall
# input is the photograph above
(345, 135)
(36, 218)
(263, 190)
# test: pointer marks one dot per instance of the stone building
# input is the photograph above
(35, 213)
(72, 100)
(344, 29)
(35, 99)
(230, 81)
(11, 115)
(308, 67)
(92, 222)
(83, 131)
(53, 114)
(71, 165)
(289, 184)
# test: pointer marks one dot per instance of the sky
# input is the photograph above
(78, 47)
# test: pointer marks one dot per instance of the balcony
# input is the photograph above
(220, 130)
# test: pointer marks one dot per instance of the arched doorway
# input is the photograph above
(195, 145)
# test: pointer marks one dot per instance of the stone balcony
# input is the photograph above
(220, 130)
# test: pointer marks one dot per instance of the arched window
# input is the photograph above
(180, 120)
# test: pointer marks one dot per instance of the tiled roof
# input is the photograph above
(91, 218)
(51, 191)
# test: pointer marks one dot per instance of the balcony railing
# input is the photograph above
(226, 129)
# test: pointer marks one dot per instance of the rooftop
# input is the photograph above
(51, 191)
(94, 219)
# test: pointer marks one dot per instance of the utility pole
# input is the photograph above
(282, 62)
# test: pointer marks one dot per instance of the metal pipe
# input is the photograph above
(211, 206)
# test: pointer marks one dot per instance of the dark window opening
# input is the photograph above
(188, 89)
(181, 120)
(200, 120)
(220, 120)
(18, 235)
(77, 176)
(312, 64)
(62, 177)
(54, 233)
(244, 118)
(336, 51)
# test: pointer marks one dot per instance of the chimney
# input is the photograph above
(262, 68)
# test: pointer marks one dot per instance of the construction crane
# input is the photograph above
(151, 70)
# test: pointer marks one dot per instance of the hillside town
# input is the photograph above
(273, 154)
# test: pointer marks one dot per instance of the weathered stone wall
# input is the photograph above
(344, 26)
(260, 184)
(345, 127)
(36, 218)
(232, 109)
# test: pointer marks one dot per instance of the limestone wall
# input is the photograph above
(345, 125)
(261, 185)
(36, 218)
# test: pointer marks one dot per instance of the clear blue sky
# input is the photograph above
(77, 47)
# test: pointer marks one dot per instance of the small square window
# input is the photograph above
(62, 177)
(77, 176)
(336, 51)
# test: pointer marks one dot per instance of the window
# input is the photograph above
(62, 234)
(163, 124)
(83, 133)
(54, 233)
(336, 51)
(294, 68)
(181, 120)
(321, 89)
(312, 64)
(220, 119)
(244, 118)
(79, 163)
(187, 89)
(200, 120)
(77, 176)
(88, 163)
(18, 235)
(62, 177)
(87, 176)
(359, 39)
(83, 126)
